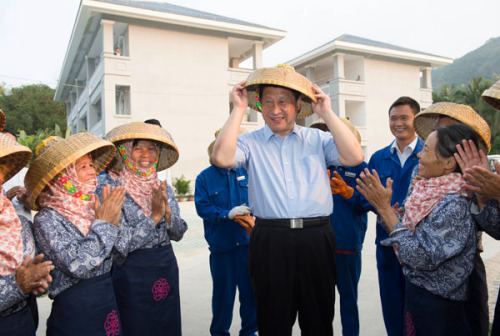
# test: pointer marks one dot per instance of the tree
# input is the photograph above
(446, 94)
(470, 94)
(33, 140)
(32, 108)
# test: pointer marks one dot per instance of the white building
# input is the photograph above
(178, 65)
(364, 77)
(174, 64)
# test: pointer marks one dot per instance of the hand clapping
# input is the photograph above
(111, 207)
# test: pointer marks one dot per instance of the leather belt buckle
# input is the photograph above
(296, 223)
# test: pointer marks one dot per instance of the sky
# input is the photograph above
(34, 34)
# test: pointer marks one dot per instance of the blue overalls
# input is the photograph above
(18, 324)
(147, 290)
(217, 192)
(93, 298)
(390, 276)
(349, 221)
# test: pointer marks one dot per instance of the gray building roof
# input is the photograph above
(174, 9)
(372, 43)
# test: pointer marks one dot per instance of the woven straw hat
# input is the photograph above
(425, 121)
(13, 156)
(2, 120)
(138, 130)
(492, 95)
(320, 124)
(285, 76)
(55, 154)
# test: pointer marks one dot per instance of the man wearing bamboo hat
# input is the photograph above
(221, 198)
(292, 247)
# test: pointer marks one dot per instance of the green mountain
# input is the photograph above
(483, 61)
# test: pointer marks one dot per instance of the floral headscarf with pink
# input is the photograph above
(76, 205)
(11, 242)
(138, 182)
(426, 195)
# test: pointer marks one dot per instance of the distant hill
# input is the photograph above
(483, 61)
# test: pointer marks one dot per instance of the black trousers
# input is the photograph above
(477, 302)
(293, 271)
(432, 315)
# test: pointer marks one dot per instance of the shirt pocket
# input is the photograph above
(216, 196)
(383, 175)
(243, 188)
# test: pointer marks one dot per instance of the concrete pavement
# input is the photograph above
(196, 283)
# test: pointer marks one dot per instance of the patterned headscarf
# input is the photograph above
(11, 242)
(139, 187)
(426, 195)
(77, 211)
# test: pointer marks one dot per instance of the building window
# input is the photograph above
(95, 114)
(120, 39)
(122, 100)
(82, 123)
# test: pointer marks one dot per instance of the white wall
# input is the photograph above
(181, 79)
(386, 82)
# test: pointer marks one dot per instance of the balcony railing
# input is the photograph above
(425, 97)
(237, 75)
(348, 87)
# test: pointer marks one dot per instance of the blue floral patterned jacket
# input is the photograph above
(74, 255)
(439, 256)
(12, 299)
(138, 231)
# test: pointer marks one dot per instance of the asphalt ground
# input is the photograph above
(196, 283)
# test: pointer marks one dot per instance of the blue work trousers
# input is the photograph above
(392, 290)
(348, 273)
(230, 270)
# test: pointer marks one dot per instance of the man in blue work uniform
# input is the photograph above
(349, 221)
(220, 195)
(397, 162)
(292, 247)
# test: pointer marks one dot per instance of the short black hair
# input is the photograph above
(414, 105)
(152, 122)
(295, 93)
(448, 137)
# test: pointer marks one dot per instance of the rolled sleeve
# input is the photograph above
(242, 153)
(330, 149)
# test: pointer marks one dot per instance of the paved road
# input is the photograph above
(196, 284)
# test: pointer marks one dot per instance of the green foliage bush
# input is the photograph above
(181, 185)
(31, 141)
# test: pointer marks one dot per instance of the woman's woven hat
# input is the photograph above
(54, 154)
(320, 124)
(13, 156)
(425, 121)
(492, 95)
(285, 76)
(2, 120)
(138, 130)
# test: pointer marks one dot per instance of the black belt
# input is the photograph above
(293, 223)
